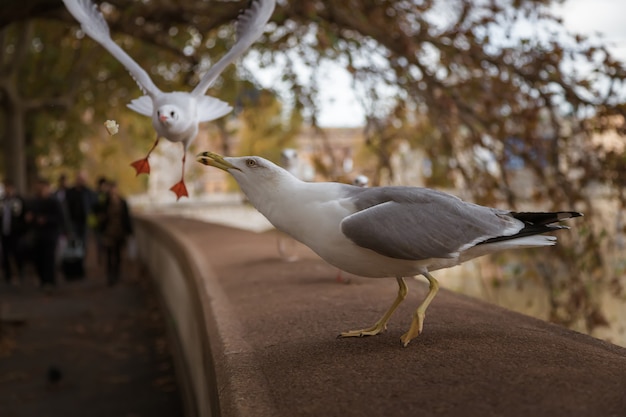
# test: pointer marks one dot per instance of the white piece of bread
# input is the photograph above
(112, 127)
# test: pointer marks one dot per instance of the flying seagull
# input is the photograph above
(384, 231)
(175, 115)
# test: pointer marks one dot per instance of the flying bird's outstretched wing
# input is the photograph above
(211, 108)
(93, 24)
(142, 105)
(250, 26)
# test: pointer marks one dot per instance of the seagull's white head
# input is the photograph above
(175, 119)
(168, 115)
(257, 177)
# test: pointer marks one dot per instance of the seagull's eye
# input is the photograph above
(172, 113)
(250, 163)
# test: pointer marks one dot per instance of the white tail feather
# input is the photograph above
(522, 242)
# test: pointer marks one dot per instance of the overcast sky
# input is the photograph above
(340, 107)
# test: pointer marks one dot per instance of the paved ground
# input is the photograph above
(106, 347)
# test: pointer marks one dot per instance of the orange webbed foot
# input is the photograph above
(180, 190)
(142, 166)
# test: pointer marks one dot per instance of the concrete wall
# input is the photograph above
(256, 336)
(180, 285)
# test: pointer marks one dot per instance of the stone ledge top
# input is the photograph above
(279, 354)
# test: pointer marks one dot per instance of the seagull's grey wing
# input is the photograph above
(93, 24)
(250, 26)
(418, 223)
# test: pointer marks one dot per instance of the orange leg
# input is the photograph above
(179, 188)
(142, 166)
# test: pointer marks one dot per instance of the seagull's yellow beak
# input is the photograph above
(214, 160)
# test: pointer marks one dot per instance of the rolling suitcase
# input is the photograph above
(72, 260)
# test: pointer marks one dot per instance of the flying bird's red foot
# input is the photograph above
(180, 190)
(142, 166)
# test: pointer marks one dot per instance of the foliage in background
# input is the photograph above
(263, 131)
(483, 87)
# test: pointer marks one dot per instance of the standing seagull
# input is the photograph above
(384, 231)
(175, 115)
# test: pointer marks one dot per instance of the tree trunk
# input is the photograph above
(14, 153)
(15, 108)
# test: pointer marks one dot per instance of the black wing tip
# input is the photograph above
(536, 223)
(562, 215)
(572, 214)
(538, 218)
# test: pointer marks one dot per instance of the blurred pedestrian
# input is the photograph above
(61, 194)
(61, 191)
(12, 224)
(102, 193)
(115, 228)
(45, 218)
(80, 200)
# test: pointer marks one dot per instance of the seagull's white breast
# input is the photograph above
(312, 215)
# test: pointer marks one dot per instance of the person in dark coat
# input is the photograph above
(115, 227)
(79, 200)
(60, 194)
(11, 231)
(45, 216)
(102, 194)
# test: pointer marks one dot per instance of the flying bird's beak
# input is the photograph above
(215, 160)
